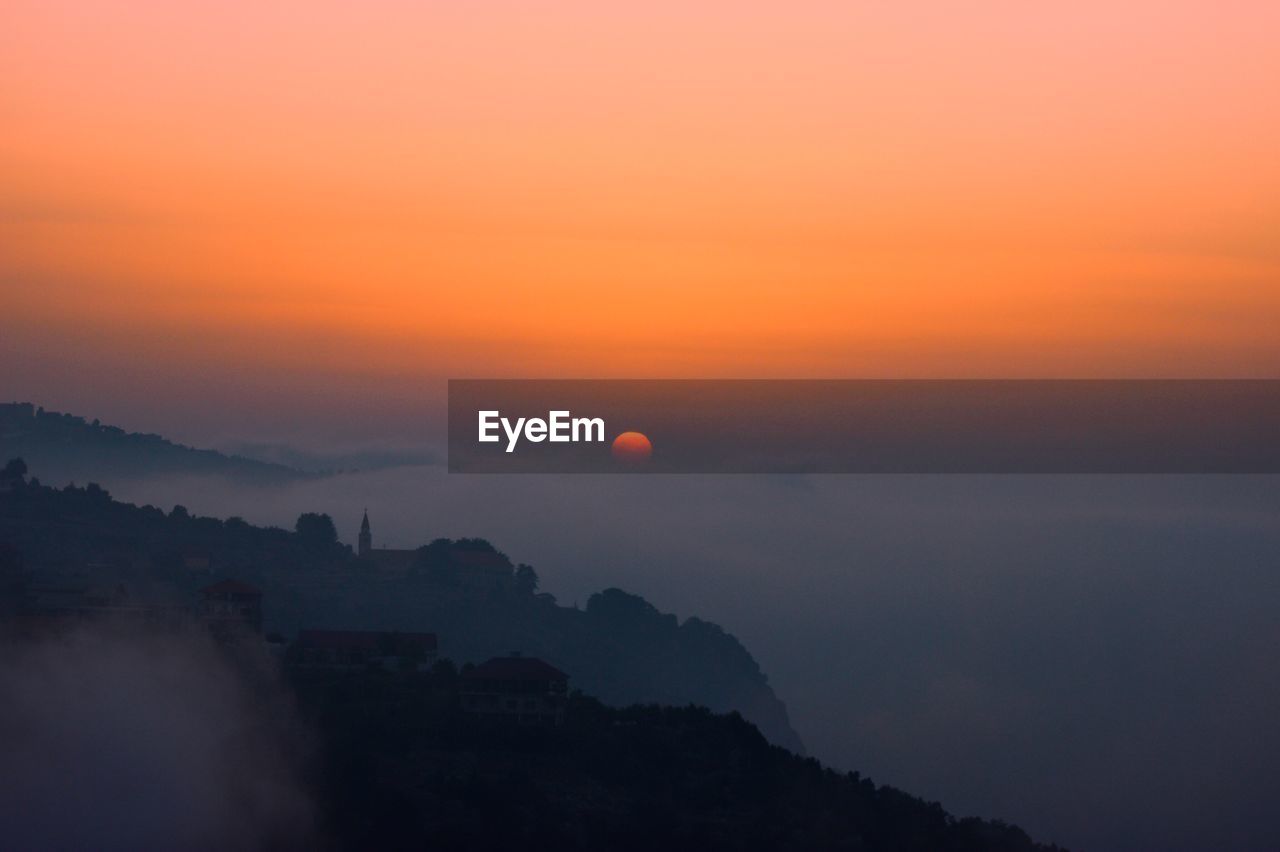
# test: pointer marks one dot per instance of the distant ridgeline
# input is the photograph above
(63, 447)
(619, 648)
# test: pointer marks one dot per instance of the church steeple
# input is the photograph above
(365, 542)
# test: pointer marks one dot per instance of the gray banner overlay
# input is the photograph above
(867, 426)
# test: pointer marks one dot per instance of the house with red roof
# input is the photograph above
(518, 689)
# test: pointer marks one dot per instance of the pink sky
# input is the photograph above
(283, 203)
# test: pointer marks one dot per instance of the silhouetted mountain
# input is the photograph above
(63, 447)
(620, 647)
(403, 768)
(326, 463)
(402, 765)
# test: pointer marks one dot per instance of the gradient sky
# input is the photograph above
(283, 202)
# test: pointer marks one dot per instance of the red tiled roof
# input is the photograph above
(231, 587)
(367, 640)
(516, 668)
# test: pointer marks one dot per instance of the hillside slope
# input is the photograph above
(619, 647)
(65, 448)
(402, 768)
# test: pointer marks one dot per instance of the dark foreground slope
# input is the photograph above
(402, 768)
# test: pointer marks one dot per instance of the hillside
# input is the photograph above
(395, 762)
(64, 448)
(619, 647)
(403, 768)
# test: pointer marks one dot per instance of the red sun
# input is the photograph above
(632, 448)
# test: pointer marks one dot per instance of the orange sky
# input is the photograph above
(407, 191)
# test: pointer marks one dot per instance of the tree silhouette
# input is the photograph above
(526, 579)
(316, 529)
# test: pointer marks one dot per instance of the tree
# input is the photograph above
(433, 562)
(526, 579)
(15, 469)
(476, 545)
(316, 529)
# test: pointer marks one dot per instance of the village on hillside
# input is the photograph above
(36, 605)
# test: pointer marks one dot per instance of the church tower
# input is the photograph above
(366, 538)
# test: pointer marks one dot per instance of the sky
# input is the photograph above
(242, 205)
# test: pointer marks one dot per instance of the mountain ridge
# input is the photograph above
(68, 447)
(619, 647)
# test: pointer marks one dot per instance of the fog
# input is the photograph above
(120, 741)
(1089, 657)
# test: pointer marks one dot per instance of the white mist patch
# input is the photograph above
(137, 741)
(560, 427)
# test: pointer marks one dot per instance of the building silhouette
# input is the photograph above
(516, 689)
(384, 559)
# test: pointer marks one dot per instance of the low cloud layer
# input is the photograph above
(120, 741)
(1089, 657)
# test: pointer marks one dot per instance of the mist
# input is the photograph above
(1090, 657)
(120, 740)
